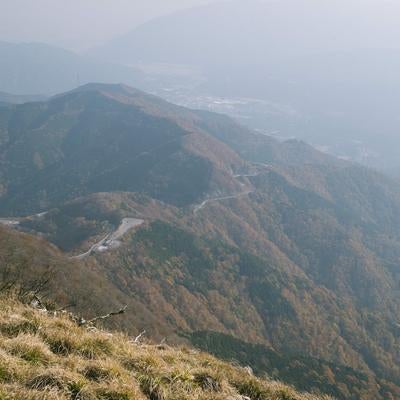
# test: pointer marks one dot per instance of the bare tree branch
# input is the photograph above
(82, 321)
(37, 303)
(62, 309)
(137, 338)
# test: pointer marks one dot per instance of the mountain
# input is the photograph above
(213, 27)
(39, 69)
(205, 227)
(105, 139)
(43, 355)
(8, 98)
(311, 81)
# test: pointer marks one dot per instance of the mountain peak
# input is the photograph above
(112, 89)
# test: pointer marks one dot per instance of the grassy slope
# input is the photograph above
(43, 356)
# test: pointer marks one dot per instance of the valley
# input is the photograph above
(282, 121)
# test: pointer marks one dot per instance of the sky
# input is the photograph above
(82, 24)
(79, 24)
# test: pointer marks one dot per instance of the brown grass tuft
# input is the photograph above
(29, 348)
(48, 357)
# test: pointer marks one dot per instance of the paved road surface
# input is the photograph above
(9, 222)
(205, 202)
(111, 240)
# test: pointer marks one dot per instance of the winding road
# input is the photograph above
(9, 222)
(205, 202)
(242, 194)
(111, 240)
(16, 221)
(91, 250)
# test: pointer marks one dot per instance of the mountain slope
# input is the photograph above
(303, 372)
(83, 288)
(271, 243)
(44, 356)
(29, 263)
(290, 309)
(101, 138)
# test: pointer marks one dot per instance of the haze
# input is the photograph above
(324, 71)
(79, 24)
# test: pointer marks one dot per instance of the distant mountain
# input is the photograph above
(39, 69)
(8, 98)
(255, 34)
(268, 243)
(338, 89)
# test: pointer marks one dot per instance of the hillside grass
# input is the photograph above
(46, 356)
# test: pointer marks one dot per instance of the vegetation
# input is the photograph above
(301, 371)
(46, 356)
(73, 226)
(256, 299)
(304, 261)
(90, 141)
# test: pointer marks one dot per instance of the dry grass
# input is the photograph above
(48, 357)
